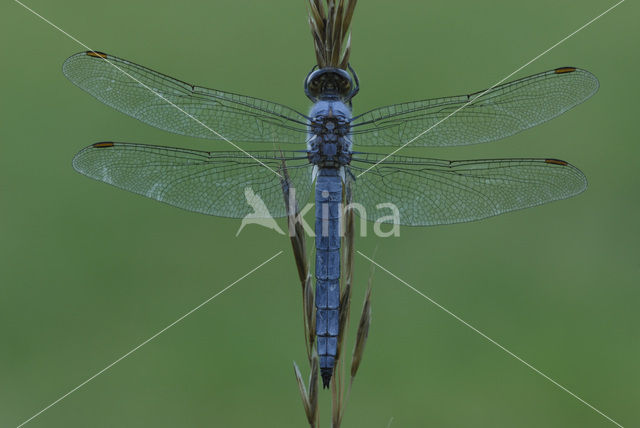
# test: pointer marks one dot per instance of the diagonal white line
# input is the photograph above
(149, 339)
(147, 87)
(491, 340)
(490, 89)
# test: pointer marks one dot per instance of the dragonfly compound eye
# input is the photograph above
(328, 83)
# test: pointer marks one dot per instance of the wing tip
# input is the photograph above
(70, 64)
(581, 179)
(584, 74)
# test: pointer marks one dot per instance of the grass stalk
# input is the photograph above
(330, 22)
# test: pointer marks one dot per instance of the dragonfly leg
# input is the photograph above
(356, 89)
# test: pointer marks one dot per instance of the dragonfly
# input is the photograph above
(324, 152)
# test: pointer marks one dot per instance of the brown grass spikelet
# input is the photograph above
(308, 313)
(343, 318)
(295, 227)
(296, 234)
(349, 231)
(314, 388)
(299, 250)
(309, 395)
(330, 28)
(303, 393)
(362, 334)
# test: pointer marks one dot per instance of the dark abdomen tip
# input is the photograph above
(326, 373)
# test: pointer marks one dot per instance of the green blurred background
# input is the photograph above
(88, 271)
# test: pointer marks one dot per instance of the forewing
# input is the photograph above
(176, 106)
(226, 184)
(505, 110)
(432, 191)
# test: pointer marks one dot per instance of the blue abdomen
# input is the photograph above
(328, 213)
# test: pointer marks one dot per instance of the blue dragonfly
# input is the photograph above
(425, 191)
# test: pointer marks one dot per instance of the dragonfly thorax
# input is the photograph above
(329, 142)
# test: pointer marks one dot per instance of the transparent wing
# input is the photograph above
(166, 103)
(505, 110)
(226, 184)
(432, 191)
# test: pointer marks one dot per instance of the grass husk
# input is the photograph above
(330, 29)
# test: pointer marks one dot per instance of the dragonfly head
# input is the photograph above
(330, 83)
